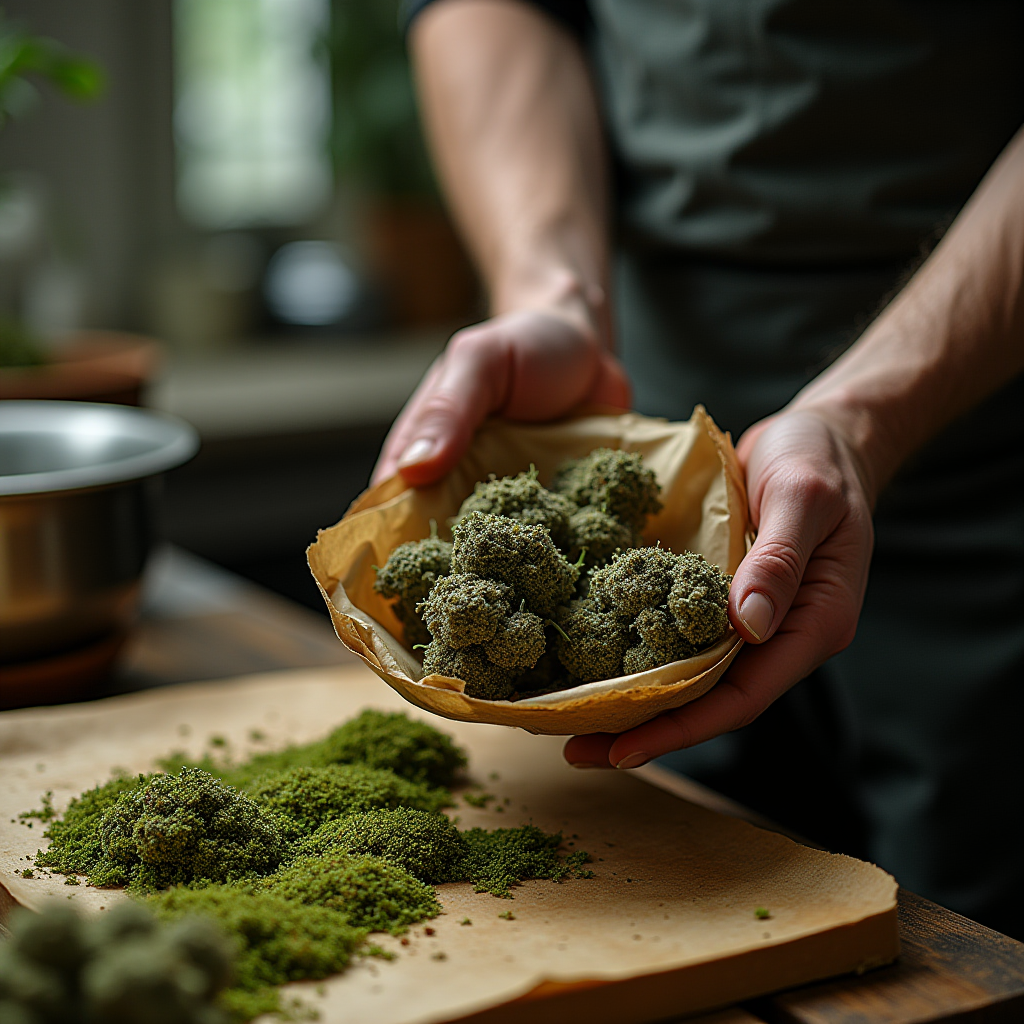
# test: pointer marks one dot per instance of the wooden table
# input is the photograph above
(200, 622)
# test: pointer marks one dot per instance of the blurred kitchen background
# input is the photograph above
(244, 181)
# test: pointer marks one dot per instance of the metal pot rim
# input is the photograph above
(172, 442)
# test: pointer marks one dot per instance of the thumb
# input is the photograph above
(767, 580)
(466, 385)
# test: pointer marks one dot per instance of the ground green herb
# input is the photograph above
(762, 913)
(372, 893)
(503, 857)
(75, 845)
(277, 940)
(27, 873)
(375, 739)
(428, 846)
(45, 812)
(507, 916)
(409, 748)
(184, 828)
(296, 905)
(312, 796)
(478, 799)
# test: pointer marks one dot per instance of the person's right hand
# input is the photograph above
(527, 365)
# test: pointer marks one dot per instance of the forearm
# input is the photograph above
(514, 128)
(952, 336)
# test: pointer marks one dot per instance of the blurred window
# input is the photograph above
(252, 111)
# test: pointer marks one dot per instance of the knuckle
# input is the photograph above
(781, 560)
(469, 341)
(812, 485)
(441, 406)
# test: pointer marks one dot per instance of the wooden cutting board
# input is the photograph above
(666, 927)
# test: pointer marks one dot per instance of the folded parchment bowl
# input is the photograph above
(705, 511)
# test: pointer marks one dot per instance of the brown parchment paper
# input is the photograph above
(705, 511)
(667, 926)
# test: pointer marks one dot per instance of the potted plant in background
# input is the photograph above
(103, 366)
(378, 148)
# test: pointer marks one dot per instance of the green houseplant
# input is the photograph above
(25, 57)
(100, 366)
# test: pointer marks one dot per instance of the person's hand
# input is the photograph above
(529, 366)
(795, 597)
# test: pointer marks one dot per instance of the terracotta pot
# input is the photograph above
(92, 366)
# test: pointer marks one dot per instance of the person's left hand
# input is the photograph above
(800, 587)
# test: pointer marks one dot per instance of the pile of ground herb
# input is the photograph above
(276, 940)
(321, 845)
(428, 846)
(185, 828)
(308, 797)
(119, 968)
(75, 844)
(503, 857)
(372, 893)
(374, 739)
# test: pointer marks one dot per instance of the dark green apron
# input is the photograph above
(779, 165)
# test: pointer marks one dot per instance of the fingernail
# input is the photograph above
(634, 760)
(756, 613)
(584, 764)
(419, 451)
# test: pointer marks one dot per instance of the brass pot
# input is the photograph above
(76, 488)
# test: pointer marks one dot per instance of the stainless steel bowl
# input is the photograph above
(76, 482)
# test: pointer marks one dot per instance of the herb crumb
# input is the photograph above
(507, 916)
(762, 913)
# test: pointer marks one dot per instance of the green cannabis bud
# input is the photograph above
(465, 609)
(592, 641)
(596, 536)
(661, 642)
(483, 678)
(523, 499)
(614, 481)
(477, 637)
(699, 600)
(524, 557)
(634, 580)
(409, 573)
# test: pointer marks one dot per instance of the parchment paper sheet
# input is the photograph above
(705, 511)
(675, 891)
